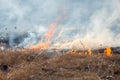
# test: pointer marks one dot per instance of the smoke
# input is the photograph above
(93, 22)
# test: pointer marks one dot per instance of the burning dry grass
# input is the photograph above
(32, 65)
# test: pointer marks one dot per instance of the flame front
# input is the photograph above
(89, 52)
(108, 51)
(46, 39)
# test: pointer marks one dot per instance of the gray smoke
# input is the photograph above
(92, 22)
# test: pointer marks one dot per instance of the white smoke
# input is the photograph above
(92, 22)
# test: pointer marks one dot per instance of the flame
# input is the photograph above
(72, 52)
(46, 39)
(108, 51)
(51, 31)
(89, 52)
(41, 45)
(23, 49)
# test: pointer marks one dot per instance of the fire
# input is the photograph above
(89, 52)
(46, 39)
(72, 51)
(108, 51)
(51, 31)
(40, 46)
(23, 49)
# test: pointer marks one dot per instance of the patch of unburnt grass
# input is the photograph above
(35, 65)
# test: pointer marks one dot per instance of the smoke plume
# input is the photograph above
(94, 23)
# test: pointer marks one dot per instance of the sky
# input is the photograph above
(91, 21)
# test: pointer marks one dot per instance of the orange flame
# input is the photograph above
(108, 51)
(41, 45)
(50, 33)
(23, 49)
(46, 39)
(89, 52)
(72, 52)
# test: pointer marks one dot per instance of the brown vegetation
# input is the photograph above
(37, 65)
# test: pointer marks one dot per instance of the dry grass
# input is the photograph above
(32, 65)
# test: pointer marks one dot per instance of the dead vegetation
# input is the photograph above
(35, 65)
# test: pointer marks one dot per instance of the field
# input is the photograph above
(41, 65)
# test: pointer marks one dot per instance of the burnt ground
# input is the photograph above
(39, 65)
